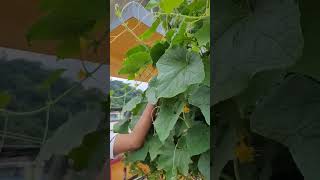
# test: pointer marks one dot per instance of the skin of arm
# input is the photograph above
(135, 139)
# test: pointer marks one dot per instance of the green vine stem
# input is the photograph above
(196, 18)
(174, 156)
(185, 120)
(47, 119)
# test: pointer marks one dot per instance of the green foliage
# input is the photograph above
(134, 62)
(180, 132)
(168, 6)
(132, 104)
(66, 26)
(121, 126)
(22, 79)
(71, 133)
(204, 164)
(120, 89)
(148, 33)
(88, 154)
(265, 90)
(202, 33)
(183, 68)
(296, 120)
(201, 98)
(157, 50)
(198, 141)
(170, 111)
(73, 27)
(256, 46)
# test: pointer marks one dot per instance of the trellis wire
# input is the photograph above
(35, 141)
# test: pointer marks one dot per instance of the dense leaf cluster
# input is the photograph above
(266, 89)
(178, 145)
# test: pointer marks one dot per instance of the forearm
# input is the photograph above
(142, 127)
(134, 140)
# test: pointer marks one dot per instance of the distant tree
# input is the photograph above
(21, 79)
(120, 89)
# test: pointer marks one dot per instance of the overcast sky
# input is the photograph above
(73, 66)
(142, 85)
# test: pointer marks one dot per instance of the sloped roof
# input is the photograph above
(16, 18)
(16, 23)
(139, 20)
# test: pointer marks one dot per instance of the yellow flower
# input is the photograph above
(82, 74)
(144, 168)
(244, 152)
(186, 109)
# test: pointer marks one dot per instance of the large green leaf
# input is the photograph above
(132, 104)
(259, 86)
(88, 155)
(135, 62)
(179, 36)
(139, 48)
(168, 5)
(224, 137)
(149, 32)
(70, 134)
(56, 27)
(253, 44)
(203, 34)
(151, 92)
(290, 115)
(309, 63)
(201, 99)
(65, 27)
(204, 165)
(157, 51)
(154, 147)
(138, 155)
(122, 126)
(68, 47)
(82, 9)
(226, 13)
(174, 159)
(59, 23)
(170, 111)
(198, 139)
(182, 159)
(178, 69)
(165, 160)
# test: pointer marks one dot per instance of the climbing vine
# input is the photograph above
(178, 146)
(74, 34)
(265, 91)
